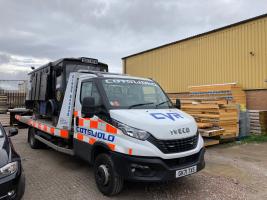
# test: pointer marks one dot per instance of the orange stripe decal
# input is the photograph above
(92, 140)
(80, 136)
(130, 151)
(111, 146)
(64, 133)
(81, 122)
(93, 124)
(75, 113)
(40, 126)
(111, 129)
(45, 128)
(52, 130)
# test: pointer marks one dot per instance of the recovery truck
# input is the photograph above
(125, 126)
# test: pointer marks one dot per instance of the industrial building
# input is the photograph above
(234, 53)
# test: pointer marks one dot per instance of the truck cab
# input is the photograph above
(125, 126)
(149, 138)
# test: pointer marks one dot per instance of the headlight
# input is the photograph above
(8, 169)
(132, 132)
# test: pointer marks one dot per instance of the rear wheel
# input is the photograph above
(34, 144)
(107, 180)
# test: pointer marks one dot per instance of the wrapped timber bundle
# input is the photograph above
(216, 109)
(258, 121)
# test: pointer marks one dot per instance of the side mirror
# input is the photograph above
(178, 104)
(12, 132)
(88, 107)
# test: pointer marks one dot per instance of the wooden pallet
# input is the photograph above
(5, 119)
(211, 132)
(210, 142)
(258, 121)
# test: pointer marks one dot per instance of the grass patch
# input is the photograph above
(254, 139)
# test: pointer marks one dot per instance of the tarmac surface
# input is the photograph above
(232, 172)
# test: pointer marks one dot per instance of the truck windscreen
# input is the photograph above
(134, 93)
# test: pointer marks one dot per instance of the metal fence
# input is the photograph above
(14, 91)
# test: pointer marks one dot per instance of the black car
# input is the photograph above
(12, 180)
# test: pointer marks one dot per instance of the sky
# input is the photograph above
(34, 32)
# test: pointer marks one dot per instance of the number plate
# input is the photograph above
(186, 171)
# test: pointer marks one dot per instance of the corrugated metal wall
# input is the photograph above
(236, 54)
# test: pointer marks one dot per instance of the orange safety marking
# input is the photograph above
(111, 129)
(76, 113)
(92, 140)
(39, 126)
(45, 128)
(80, 136)
(64, 133)
(81, 122)
(130, 151)
(93, 124)
(35, 124)
(52, 130)
(111, 146)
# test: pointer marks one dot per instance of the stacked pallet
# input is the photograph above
(258, 121)
(5, 119)
(216, 110)
(3, 103)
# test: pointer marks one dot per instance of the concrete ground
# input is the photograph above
(232, 172)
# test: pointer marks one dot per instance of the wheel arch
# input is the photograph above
(98, 148)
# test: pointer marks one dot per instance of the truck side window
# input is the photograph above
(89, 89)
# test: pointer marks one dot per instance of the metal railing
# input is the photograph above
(14, 91)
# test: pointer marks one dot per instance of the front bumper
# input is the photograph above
(12, 187)
(147, 169)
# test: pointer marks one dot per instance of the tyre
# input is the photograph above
(21, 187)
(34, 144)
(107, 180)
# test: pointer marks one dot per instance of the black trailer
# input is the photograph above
(47, 84)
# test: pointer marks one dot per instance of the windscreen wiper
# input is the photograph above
(161, 103)
(140, 104)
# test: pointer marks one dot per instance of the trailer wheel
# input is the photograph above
(107, 180)
(34, 144)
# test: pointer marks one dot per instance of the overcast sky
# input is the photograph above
(34, 32)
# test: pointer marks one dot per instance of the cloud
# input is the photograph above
(14, 67)
(38, 30)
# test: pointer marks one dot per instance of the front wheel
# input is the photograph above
(107, 180)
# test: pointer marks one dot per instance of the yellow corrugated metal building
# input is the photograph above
(235, 53)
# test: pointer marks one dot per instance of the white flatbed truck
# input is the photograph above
(125, 126)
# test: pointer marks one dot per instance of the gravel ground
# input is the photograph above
(232, 172)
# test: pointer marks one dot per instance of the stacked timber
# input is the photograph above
(5, 119)
(230, 92)
(3, 103)
(258, 121)
(216, 110)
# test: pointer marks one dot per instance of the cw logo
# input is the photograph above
(171, 116)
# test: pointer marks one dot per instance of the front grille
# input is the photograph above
(174, 146)
(188, 160)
